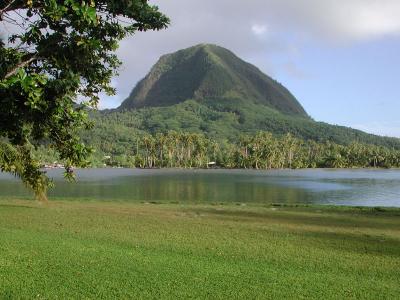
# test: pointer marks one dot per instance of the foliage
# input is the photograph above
(228, 119)
(18, 161)
(62, 55)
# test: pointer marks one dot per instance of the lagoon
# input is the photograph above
(358, 187)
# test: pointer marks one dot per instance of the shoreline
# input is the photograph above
(231, 169)
(222, 205)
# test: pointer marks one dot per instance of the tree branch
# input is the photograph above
(20, 65)
(3, 10)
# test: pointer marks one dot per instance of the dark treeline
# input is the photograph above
(260, 151)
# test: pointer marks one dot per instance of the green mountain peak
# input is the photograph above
(207, 72)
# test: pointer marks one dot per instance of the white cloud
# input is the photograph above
(349, 20)
(259, 29)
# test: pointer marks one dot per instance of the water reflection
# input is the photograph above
(341, 187)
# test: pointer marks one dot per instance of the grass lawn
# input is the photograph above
(119, 250)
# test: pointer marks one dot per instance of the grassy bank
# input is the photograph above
(105, 250)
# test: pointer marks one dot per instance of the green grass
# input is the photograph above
(119, 250)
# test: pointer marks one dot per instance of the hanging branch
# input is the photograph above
(21, 65)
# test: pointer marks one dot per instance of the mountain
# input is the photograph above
(209, 72)
(207, 89)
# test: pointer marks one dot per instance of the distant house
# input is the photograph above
(212, 164)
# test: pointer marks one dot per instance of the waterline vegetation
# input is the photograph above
(261, 151)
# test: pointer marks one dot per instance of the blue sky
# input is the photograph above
(339, 58)
(356, 85)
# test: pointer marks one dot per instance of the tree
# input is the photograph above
(52, 70)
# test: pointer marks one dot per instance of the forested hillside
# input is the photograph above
(224, 120)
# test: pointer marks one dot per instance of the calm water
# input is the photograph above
(339, 187)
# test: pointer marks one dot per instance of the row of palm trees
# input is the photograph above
(264, 151)
(260, 151)
(171, 150)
